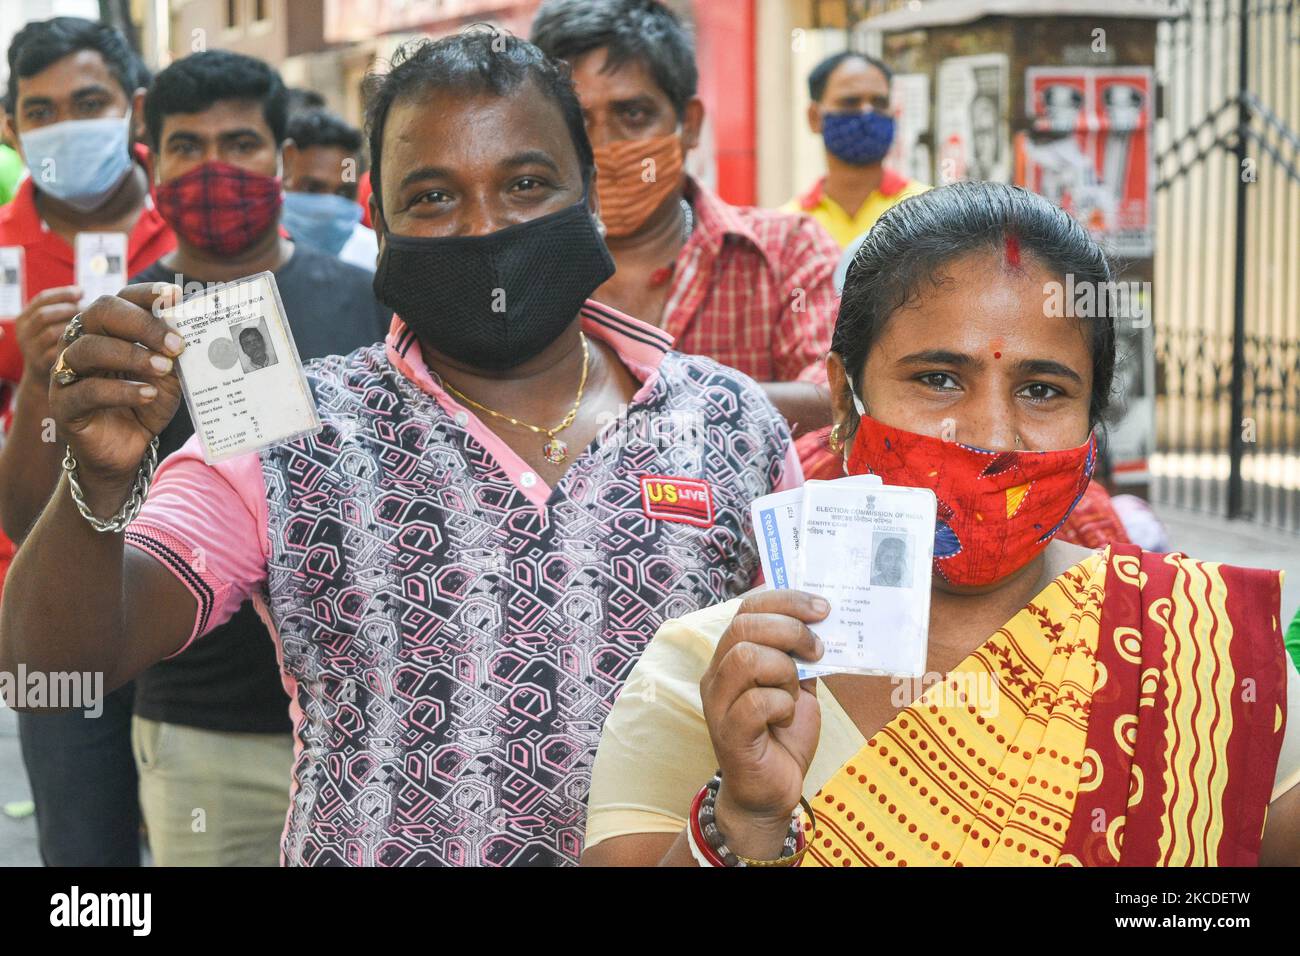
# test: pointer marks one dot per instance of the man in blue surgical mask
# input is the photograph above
(75, 89)
(850, 111)
(320, 182)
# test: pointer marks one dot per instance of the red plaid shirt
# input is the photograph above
(752, 289)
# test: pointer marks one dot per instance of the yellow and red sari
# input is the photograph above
(1135, 718)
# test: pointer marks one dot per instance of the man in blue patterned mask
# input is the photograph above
(851, 111)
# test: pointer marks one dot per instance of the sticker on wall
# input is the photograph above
(909, 96)
(971, 109)
(1090, 149)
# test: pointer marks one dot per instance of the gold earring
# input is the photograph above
(835, 441)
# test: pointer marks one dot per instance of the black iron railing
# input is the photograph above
(1227, 300)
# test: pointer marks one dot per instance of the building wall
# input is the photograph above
(205, 25)
(14, 13)
(306, 29)
(350, 21)
(792, 36)
(725, 54)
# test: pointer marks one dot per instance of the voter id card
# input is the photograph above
(240, 371)
(867, 548)
(776, 519)
(11, 281)
(100, 264)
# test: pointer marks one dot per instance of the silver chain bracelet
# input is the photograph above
(127, 513)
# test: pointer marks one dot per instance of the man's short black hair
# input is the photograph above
(42, 42)
(301, 99)
(821, 73)
(642, 30)
(195, 83)
(323, 128)
(478, 60)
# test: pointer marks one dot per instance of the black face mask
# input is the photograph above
(495, 301)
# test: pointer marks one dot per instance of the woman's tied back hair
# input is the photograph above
(912, 242)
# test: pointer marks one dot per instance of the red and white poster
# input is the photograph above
(1090, 150)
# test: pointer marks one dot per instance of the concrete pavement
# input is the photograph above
(17, 837)
(1241, 543)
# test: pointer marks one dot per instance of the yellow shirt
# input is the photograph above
(844, 227)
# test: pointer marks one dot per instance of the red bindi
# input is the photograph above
(997, 355)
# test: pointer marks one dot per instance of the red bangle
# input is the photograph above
(696, 834)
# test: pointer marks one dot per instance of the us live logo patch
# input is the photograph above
(688, 500)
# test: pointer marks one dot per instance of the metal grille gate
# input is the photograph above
(1227, 270)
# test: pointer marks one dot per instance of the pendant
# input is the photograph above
(555, 451)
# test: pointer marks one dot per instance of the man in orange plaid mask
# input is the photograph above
(748, 287)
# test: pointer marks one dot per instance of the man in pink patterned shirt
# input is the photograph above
(751, 288)
(456, 600)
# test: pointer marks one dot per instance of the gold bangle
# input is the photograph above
(797, 857)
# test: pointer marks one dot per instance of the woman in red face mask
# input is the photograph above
(1081, 707)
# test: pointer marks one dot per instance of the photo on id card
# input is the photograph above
(868, 551)
(240, 372)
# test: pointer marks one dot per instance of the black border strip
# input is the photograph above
(633, 330)
(636, 335)
(160, 551)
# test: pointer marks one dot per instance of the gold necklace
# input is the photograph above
(554, 450)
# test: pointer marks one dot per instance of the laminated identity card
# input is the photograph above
(776, 520)
(100, 264)
(866, 548)
(11, 281)
(240, 371)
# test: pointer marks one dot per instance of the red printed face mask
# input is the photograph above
(997, 509)
(220, 208)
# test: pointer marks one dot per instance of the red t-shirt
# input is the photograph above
(47, 263)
